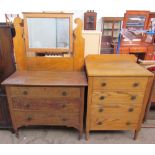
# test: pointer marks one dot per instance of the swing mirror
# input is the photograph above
(48, 33)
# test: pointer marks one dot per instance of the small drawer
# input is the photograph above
(120, 83)
(46, 92)
(116, 97)
(23, 118)
(46, 104)
(113, 123)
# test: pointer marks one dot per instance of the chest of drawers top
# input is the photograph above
(46, 78)
(114, 65)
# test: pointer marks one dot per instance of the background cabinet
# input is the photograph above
(7, 67)
(90, 20)
(92, 41)
(110, 31)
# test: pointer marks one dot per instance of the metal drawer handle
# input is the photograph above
(101, 110)
(102, 97)
(64, 93)
(130, 110)
(25, 92)
(103, 84)
(99, 123)
(128, 123)
(136, 84)
(29, 118)
(133, 97)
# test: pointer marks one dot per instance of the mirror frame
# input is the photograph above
(142, 13)
(48, 15)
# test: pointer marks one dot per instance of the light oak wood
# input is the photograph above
(73, 63)
(127, 83)
(46, 92)
(115, 100)
(48, 15)
(117, 96)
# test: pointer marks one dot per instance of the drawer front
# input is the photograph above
(120, 83)
(45, 118)
(112, 122)
(46, 104)
(46, 92)
(115, 109)
(138, 49)
(105, 97)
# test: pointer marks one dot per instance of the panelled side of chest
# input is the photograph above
(46, 106)
(116, 103)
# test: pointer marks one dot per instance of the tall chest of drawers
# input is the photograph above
(118, 92)
(46, 98)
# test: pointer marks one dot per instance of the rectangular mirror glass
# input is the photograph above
(48, 32)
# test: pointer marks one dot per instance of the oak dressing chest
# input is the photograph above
(118, 92)
(48, 86)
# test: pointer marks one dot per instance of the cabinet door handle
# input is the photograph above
(103, 84)
(64, 93)
(136, 84)
(25, 92)
(102, 97)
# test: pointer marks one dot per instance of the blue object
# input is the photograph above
(119, 43)
(150, 32)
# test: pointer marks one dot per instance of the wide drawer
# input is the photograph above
(45, 118)
(113, 122)
(120, 83)
(114, 97)
(138, 49)
(70, 105)
(115, 109)
(46, 92)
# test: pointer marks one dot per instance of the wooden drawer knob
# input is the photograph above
(29, 118)
(102, 97)
(128, 123)
(27, 105)
(64, 93)
(64, 105)
(103, 84)
(101, 110)
(130, 110)
(25, 92)
(133, 97)
(99, 123)
(64, 119)
(136, 84)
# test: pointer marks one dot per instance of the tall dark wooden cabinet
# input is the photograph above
(7, 67)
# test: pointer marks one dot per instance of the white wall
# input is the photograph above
(78, 7)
